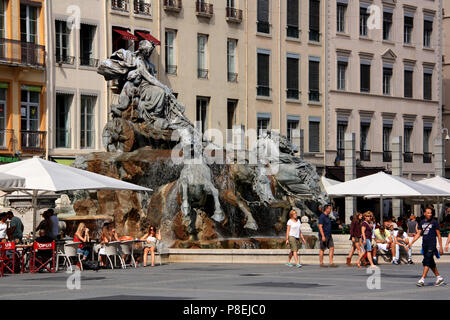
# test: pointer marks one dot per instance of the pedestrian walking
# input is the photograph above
(366, 235)
(326, 239)
(429, 230)
(355, 237)
(412, 226)
(293, 235)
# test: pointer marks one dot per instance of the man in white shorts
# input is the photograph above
(384, 240)
(402, 241)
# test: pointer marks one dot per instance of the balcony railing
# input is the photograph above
(202, 73)
(120, 5)
(314, 36)
(61, 59)
(232, 77)
(171, 69)
(6, 140)
(173, 5)
(88, 62)
(204, 9)
(22, 53)
(387, 156)
(314, 96)
(234, 15)
(33, 141)
(365, 155)
(141, 7)
(292, 94)
(293, 32)
(263, 91)
(408, 157)
(263, 27)
(427, 157)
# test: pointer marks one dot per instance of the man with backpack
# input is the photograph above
(429, 229)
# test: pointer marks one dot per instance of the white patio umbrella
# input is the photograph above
(384, 185)
(47, 176)
(327, 183)
(440, 183)
(9, 181)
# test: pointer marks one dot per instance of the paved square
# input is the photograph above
(228, 282)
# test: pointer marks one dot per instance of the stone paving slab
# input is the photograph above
(227, 282)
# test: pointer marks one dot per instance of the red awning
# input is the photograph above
(126, 35)
(149, 37)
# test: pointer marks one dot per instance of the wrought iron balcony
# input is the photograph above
(62, 59)
(314, 95)
(21, 53)
(173, 5)
(408, 157)
(233, 15)
(88, 62)
(202, 73)
(263, 27)
(204, 9)
(427, 157)
(314, 36)
(33, 141)
(141, 7)
(232, 77)
(120, 5)
(263, 91)
(365, 155)
(7, 140)
(387, 156)
(293, 32)
(293, 94)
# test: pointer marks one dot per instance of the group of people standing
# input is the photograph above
(11, 227)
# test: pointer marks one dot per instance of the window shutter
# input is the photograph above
(292, 73)
(314, 75)
(314, 138)
(365, 77)
(427, 79)
(263, 70)
(408, 84)
(263, 10)
(292, 13)
(314, 15)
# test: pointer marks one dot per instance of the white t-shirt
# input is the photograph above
(151, 239)
(295, 228)
(3, 227)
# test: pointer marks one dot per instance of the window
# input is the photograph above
(292, 125)
(314, 20)
(408, 83)
(340, 143)
(292, 19)
(120, 41)
(3, 92)
(292, 72)
(341, 72)
(28, 23)
(263, 17)
(340, 17)
(231, 60)
(263, 123)
(263, 74)
(387, 25)
(314, 81)
(87, 34)
(171, 64)
(364, 137)
(427, 84)
(202, 112)
(231, 113)
(87, 122)
(29, 117)
(63, 103)
(427, 32)
(426, 137)
(314, 135)
(231, 4)
(365, 77)
(387, 76)
(2, 26)
(387, 129)
(408, 128)
(408, 27)
(363, 17)
(202, 41)
(62, 41)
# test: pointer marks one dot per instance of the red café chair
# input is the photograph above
(7, 262)
(37, 247)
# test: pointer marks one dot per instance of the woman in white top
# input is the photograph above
(293, 235)
(3, 226)
(150, 243)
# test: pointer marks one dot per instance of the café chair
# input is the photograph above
(8, 257)
(126, 248)
(42, 261)
(69, 251)
(112, 250)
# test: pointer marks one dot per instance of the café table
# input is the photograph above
(24, 251)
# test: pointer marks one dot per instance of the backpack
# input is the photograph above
(91, 265)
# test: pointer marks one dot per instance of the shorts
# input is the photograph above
(428, 257)
(368, 245)
(294, 244)
(149, 244)
(382, 246)
(329, 243)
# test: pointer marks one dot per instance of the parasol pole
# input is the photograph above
(381, 210)
(34, 204)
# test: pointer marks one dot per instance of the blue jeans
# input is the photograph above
(368, 245)
(84, 252)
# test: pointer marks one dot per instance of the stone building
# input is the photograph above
(446, 84)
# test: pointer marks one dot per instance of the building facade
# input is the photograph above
(446, 84)
(23, 111)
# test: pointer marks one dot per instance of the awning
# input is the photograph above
(149, 37)
(126, 35)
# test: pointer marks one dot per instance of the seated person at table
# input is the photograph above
(108, 235)
(82, 235)
(402, 241)
(43, 255)
(150, 244)
(384, 240)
